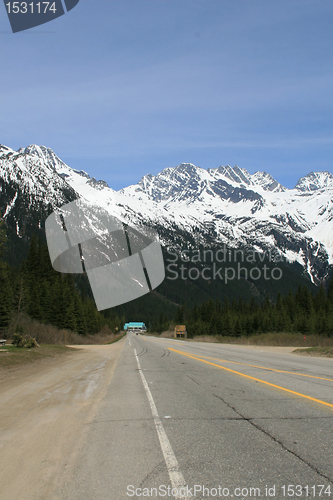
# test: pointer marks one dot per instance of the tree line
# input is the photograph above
(302, 312)
(46, 295)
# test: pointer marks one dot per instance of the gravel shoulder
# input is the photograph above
(44, 411)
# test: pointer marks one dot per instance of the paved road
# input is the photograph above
(236, 420)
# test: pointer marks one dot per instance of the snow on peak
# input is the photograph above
(314, 181)
(75, 177)
(29, 170)
(185, 181)
(236, 174)
(186, 167)
(267, 182)
(242, 178)
(96, 184)
(33, 149)
(83, 173)
(44, 154)
(4, 150)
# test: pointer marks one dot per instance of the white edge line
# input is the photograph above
(176, 477)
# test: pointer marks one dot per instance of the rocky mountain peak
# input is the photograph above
(314, 181)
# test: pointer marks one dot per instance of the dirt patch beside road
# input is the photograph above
(44, 411)
(323, 352)
(11, 356)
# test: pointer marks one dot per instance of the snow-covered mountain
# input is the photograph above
(188, 205)
(30, 188)
(35, 173)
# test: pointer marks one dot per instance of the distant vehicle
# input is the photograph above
(137, 327)
(180, 332)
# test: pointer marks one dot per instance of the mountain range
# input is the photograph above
(187, 205)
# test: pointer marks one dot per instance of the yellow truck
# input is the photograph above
(180, 332)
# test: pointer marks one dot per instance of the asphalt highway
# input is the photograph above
(195, 420)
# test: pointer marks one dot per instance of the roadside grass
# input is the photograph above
(281, 339)
(51, 335)
(11, 356)
(325, 352)
(52, 340)
(168, 334)
(119, 337)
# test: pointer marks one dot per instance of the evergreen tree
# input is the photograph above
(179, 319)
(5, 285)
(33, 260)
(279, 305)
(34, 307)
(81, 326)
(330, 291)
(70, 319)
(253, 305)
(267, 305)
(227, 329)
(290, 306)
(237, 328)
(195, 313)
(5, 299)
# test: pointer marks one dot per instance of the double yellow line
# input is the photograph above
(257, 379)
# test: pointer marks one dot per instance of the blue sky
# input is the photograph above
(126, 88)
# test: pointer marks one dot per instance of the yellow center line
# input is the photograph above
(265, 368)
(254, 378)
(256, 366)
